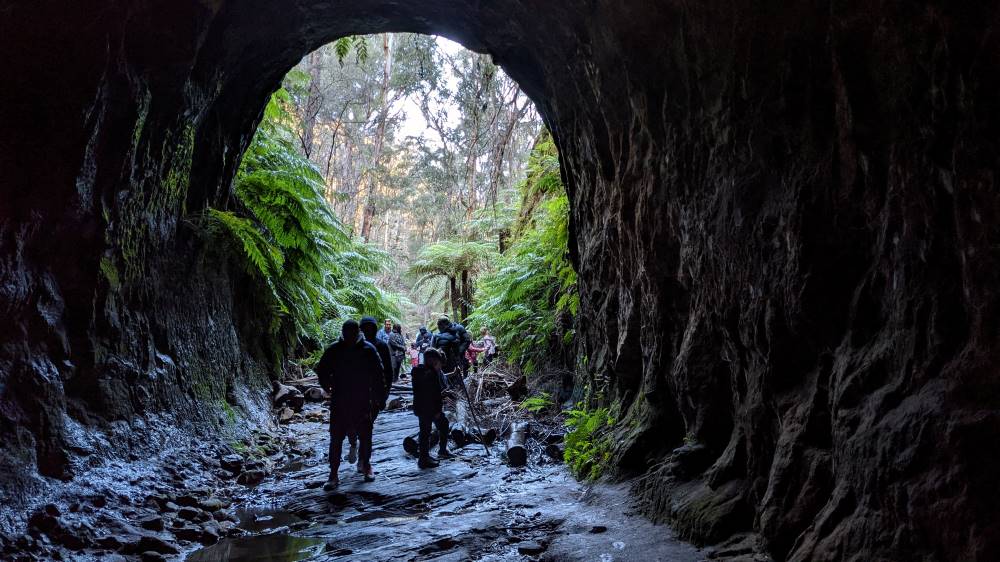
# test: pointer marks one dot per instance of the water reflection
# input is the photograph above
(277, 547)
(260, 520)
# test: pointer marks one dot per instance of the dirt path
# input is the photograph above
(470, 508)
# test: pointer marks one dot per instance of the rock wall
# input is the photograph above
(784, 223)
(788, 260)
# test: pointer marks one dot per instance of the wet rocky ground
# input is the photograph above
(263, 500)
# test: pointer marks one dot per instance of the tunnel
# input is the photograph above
(784, 220)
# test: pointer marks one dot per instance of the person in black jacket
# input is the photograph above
(454, 340)
(369, 327)
(397, 345)
(422, 342)
(429, 383)
(352, 373)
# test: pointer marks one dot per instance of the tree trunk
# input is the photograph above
(366, 205)
(314, 101)
(453, 295)
(466, 295)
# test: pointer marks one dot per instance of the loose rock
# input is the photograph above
(251, 477)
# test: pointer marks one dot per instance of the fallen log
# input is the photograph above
(556, 452)
(410, 442)
(518, 390)
(462, 433)
(517, 453)
(284, 395)
(463, 436)
(315, 394)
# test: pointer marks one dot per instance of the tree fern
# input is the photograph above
(283, 230)
(529, 300)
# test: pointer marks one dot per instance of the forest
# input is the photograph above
(401, 176)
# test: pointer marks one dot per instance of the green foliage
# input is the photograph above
(588, 447)
(358, 43)
(308, 263)
(449, 259)
(526, 300)
(538, 403)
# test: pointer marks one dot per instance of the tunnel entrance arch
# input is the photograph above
(798, 177)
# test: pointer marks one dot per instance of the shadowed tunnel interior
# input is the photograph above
(784, 220)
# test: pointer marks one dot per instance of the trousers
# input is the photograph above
(424, 439)
(362, 429)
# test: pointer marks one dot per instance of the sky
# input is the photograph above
(414, 124)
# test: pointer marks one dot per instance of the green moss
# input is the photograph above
(177, 176)
(110, 272)
(140, 121)
(228, 411)
(202, 389)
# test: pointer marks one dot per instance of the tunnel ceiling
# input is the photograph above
(784, 221)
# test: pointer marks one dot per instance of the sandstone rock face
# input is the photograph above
(784, 220)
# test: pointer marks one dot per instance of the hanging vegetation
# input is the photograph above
(529, 301)
(283, 231)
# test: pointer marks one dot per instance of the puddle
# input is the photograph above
(277, 547)
(262, 520)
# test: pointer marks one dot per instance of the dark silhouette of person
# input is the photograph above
(352, 373)
(429, 383)
(423, 340)
(454, 340)
(369, 327)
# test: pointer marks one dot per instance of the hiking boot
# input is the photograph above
(331, 483)
(369, 474)
(352, 454)
(444, 454)
(427, 461)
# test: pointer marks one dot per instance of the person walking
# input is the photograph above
(429, 385)
(452, 339)
(385, 331)
(472, 355)
(397, 346)
(369, 328)
(490, 343)
(351, 371)
(422, 342)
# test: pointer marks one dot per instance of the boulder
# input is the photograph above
(251, 477)
(315, 394)
(284, 395)
(151, 543)
(152, 523)
(232, 463)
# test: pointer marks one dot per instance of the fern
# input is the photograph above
(449, 258)
(315, 272)
(537, 404)
(358, 43)
(530, 297)
(588, 447)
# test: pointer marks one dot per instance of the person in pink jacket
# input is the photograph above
(471, 354)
